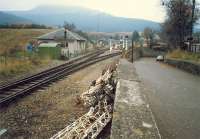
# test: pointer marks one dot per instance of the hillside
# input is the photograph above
(12, 19)
(85, 19)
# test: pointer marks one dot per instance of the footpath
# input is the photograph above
(132, 116)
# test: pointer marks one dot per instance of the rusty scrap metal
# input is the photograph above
(99, 98)
(89, 125)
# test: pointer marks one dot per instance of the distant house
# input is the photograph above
(71, 43)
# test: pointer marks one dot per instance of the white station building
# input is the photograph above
(71, 43)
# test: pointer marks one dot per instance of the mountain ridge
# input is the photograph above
(85, 19)
(7, 18)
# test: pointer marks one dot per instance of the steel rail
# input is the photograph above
(33, 85)
(46, 72)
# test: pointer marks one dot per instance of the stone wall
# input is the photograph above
(144, 52)
(184, 65)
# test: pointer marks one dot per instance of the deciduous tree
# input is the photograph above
(148, 34)
(179, 22)
(135, 36)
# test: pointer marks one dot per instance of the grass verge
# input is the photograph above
(184, 55)
(14, 66)
(14, 59)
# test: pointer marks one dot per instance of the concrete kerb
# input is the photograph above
(132, 116)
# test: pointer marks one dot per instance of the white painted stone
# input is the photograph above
(146, 125)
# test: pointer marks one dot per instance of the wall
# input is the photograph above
(76, 47)
(144, 52)
(185, 65)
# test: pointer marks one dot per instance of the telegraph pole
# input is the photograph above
(65, 40)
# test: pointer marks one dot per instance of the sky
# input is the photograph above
(143, 9)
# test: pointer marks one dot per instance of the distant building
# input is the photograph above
(195, 48)
(102, 42)
(71, 43)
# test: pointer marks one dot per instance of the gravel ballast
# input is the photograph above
(48, 110)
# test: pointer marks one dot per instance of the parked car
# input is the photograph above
(160, 58)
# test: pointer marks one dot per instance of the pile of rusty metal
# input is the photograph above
(102, 88)
(99, 99)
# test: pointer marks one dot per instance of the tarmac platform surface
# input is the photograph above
(132, 116)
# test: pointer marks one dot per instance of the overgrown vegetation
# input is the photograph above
(15, 66)
(184, 55)
(135, 36)
(14, 58)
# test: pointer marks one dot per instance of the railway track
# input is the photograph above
(27, 85)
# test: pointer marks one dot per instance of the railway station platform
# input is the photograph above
(132, 116)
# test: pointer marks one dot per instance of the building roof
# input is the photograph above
(59, 35)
